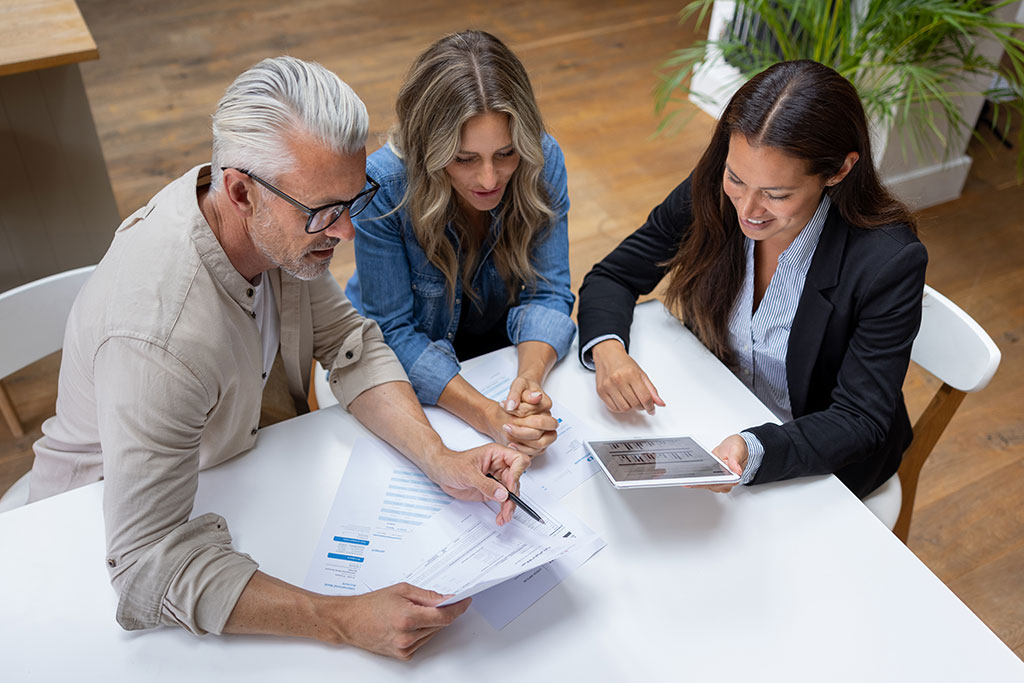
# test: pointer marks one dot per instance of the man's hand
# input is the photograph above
(621, 384)
(733, 452)
(462, 474)
(392, 412)
(394, 621)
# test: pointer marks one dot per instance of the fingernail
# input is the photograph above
(507, 428)
(501, 495)
(513, 447)
(510, 405)
(535, 394)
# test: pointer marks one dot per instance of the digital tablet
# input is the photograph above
(670, 461)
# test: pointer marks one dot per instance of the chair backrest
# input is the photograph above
(34, 315)
(952, 346)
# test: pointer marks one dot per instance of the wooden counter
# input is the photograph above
(57, 209)
(37, 34)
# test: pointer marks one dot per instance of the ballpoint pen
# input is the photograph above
(518, 501)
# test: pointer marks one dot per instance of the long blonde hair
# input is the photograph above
(461, 76)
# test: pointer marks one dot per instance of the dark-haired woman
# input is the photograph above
(793, 264)
(465, 247)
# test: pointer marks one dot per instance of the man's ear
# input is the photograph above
(239, 192)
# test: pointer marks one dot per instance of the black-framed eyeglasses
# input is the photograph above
(320, 218)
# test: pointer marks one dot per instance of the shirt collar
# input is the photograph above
(207, 245)
(798, 254)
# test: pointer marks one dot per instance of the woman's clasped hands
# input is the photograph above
(523, 420)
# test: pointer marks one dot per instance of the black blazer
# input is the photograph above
(849, 345)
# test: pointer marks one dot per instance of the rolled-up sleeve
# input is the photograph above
(430, 373)
(166, 568)
(536, 322)
(162, 587)
(363, 362)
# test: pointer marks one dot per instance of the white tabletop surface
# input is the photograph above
(794, 581)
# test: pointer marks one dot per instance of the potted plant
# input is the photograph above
(923, 69)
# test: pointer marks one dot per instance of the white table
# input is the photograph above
(791, 582)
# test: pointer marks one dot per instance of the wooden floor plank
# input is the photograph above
(995, 592)
(960, 532)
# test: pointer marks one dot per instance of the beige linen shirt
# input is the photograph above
(162, 376)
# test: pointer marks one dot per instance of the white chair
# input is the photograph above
(34, 316)
(321, 388)
(954, 348)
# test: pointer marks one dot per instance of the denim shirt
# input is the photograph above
(398, 287)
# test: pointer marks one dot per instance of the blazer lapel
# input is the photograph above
(814, 310)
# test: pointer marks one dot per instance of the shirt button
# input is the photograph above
(253, 432)
(111, 563)
(348, 354)
(253, 314)
(449, 335)
(249, 292)
(264, 375)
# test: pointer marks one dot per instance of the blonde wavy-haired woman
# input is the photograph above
(465, 248)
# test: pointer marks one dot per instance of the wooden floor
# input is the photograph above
(164, 65)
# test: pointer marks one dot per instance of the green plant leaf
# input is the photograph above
(907, 58)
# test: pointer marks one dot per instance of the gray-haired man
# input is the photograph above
(168, 350)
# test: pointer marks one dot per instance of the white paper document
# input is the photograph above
(389, 523)
(506, 601)
(382, 498)
(463, 552)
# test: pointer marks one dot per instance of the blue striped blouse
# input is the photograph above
(760, 340)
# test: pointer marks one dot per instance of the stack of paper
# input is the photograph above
(390, 523)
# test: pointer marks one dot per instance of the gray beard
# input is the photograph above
(300, 268)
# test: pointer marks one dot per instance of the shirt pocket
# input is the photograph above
(430, 302)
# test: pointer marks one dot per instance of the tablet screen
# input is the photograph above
(659, 462)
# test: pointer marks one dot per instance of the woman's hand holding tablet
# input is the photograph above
(663, 461)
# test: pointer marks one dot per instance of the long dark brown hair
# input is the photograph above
(808, 111)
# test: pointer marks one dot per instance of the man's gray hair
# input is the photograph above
(274, 100)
